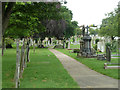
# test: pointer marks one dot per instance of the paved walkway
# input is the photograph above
(85, 77)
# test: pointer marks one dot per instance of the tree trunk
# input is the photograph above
(17, 65)
(6, 13)
(28, 42)
(3, 44)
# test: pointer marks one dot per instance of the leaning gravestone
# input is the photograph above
(108, 54)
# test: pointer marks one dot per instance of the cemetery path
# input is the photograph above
(85, 77)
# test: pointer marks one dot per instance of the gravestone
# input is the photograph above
(69, 44)
(48, 43)
(101, 57)
(108, 54)
(101, 46)
(75, 40)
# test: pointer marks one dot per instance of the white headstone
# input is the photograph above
(101, 46)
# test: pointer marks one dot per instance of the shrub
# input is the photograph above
(9, 42)
(108, 44)
(55, 42)
(95, 46)
(96, 41)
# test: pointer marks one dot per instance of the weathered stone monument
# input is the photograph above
(108, 54)
(85, 44)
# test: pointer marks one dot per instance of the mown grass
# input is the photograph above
(75, 46)
(46, 71)
(43, 71)
(8, 68)
(94, 64)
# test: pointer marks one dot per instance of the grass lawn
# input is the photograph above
(75, 46)
(43, 71)
(94, 64)
(46, 71)
(8, 68)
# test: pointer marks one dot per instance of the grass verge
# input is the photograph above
(46, 71)
(94, 64)
(8, 68)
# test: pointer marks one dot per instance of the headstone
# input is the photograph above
(60, 42)
(101, 46)
(75, 40)
(101, 57)
(108, 54)
(48, 43)
(69, 44)
(57, 42)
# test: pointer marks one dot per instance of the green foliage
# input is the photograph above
(73, 39)
(93, 32)
(95, 46)
(26, 18)
(109, 26)
(70, 30)
(96, 41)
(78, 31)
(9, 41)
(108, 44)
(114, 46)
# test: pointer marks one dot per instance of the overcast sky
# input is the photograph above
(91, 11)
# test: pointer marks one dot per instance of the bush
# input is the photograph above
(9, 42)
(114, 46)
(95, 46)
(96, 41)
(55, 42)
(108, 44)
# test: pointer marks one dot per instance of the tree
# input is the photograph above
(93, 31)
(24, 22)
(109, 26)
(6, 12)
